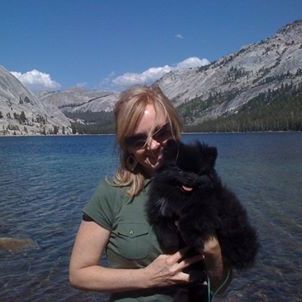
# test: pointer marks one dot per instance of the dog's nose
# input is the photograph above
(190, 180)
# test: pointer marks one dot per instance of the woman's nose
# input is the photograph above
(153, 144)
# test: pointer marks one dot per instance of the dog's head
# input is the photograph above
(196, 157)
(194, 162)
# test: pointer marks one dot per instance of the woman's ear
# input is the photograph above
(131, 162)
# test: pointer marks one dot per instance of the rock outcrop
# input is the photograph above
(21, 113)
(14, 245)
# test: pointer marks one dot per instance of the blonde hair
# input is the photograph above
(128, 112)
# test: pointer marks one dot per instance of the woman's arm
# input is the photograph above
(86, 273)
(218, 271)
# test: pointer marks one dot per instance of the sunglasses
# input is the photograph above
(141, 140)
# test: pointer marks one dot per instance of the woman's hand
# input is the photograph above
(167, 270)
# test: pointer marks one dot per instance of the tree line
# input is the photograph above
(274, 110)
(92, 122)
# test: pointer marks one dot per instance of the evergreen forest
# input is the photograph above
(277, 110)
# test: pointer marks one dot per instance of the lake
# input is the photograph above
(46, 181)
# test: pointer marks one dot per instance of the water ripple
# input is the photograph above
(45, 182)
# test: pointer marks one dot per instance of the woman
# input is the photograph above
(114, 220)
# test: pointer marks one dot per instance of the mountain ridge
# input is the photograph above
(21, 113)
(223, 91)
(240, 76)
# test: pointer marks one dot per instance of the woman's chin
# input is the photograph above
(154, 163)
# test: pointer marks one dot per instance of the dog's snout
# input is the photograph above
(190, 179)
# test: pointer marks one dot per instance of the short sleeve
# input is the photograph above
(103, 205)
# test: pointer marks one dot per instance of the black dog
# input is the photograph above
(188, 204)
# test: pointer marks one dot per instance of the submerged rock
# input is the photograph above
(14, 245)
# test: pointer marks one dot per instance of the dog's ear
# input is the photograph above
(212, 153)
(209, 153)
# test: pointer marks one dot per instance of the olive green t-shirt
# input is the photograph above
(132, 242)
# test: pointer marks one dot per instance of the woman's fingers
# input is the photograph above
(169, 269)
(176, 257)
(189, 261)
(180, 263)
(182, 277)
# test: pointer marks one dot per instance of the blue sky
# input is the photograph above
(98, 44)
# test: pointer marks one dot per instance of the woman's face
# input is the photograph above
(147, 149)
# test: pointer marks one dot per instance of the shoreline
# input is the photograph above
(183, 133)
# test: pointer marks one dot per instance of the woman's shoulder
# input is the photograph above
(105, 203)
(107, 190)
(107, 184)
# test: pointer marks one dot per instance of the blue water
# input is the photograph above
(45, 181)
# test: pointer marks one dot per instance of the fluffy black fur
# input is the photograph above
(188, 218)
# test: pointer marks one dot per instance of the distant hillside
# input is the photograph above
(89, 110)
(258, 81)
(79, 100)
(256, 88)
(21, 113)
